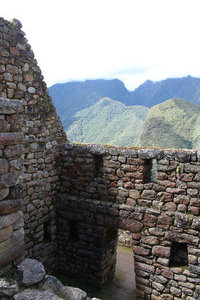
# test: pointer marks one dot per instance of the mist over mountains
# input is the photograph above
(104, 111)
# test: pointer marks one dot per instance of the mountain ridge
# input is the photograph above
(171, 124)
(76, 100)
(109, 122)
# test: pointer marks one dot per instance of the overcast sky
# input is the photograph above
(133, 40)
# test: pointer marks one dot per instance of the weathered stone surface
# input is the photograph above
(14, 151)
(148, 194)
(13, 249)
(134, 194)
(30, 272)
(9, 179)
(5, 233)
(72, 293)
(150, 153)
(29, 294)
(150, 240)
(3, 166)
(52, 283)
(196, 224)
(8, 288)
(6, 221)
(181, 220)
(10, 106)
(161, 251)
(141, 250)
(11, 138)
(10, 206)
(4, 193)
(175, 291)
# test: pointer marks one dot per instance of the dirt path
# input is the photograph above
(125, 276)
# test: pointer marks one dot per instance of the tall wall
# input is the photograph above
(11, 163)
(21, 79)
(154, 194)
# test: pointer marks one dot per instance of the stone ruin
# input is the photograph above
(63, 203)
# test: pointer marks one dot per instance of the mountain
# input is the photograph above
(152, 93)
(172, 124)
(108, 122)
(72, 97)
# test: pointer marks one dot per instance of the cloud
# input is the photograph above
(130, 39)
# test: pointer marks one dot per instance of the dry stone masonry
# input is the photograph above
(63, 204)
(152, 193)
(26, 109)
(11, 163)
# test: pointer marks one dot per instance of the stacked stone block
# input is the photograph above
(154, 194)
(11, 163)
(21, 79)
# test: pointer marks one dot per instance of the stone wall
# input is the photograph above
(11, 163)
(21, 79)
(154, 194)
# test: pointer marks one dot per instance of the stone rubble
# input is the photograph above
(31, 273)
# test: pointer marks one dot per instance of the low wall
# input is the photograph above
(11, 163)
(152, 193)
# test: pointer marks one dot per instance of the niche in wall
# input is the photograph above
(73, 231)
(150, 170)
(179, 255)
(98, 162)
(47, 232)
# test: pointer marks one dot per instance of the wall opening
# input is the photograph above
(73, 231)
(47, 232)
(179, 255)
(150, 170)
(124, 271)
(98, 162)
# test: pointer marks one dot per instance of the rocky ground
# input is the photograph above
(31, 282)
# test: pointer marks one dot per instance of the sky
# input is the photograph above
(133, 40)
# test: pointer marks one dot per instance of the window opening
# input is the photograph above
(154, 170)
(179, 255)
(150, 170)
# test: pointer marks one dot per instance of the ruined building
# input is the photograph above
(63, 204)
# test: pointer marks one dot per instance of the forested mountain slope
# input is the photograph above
(72, 97)
(172, 124)
(108, 122)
